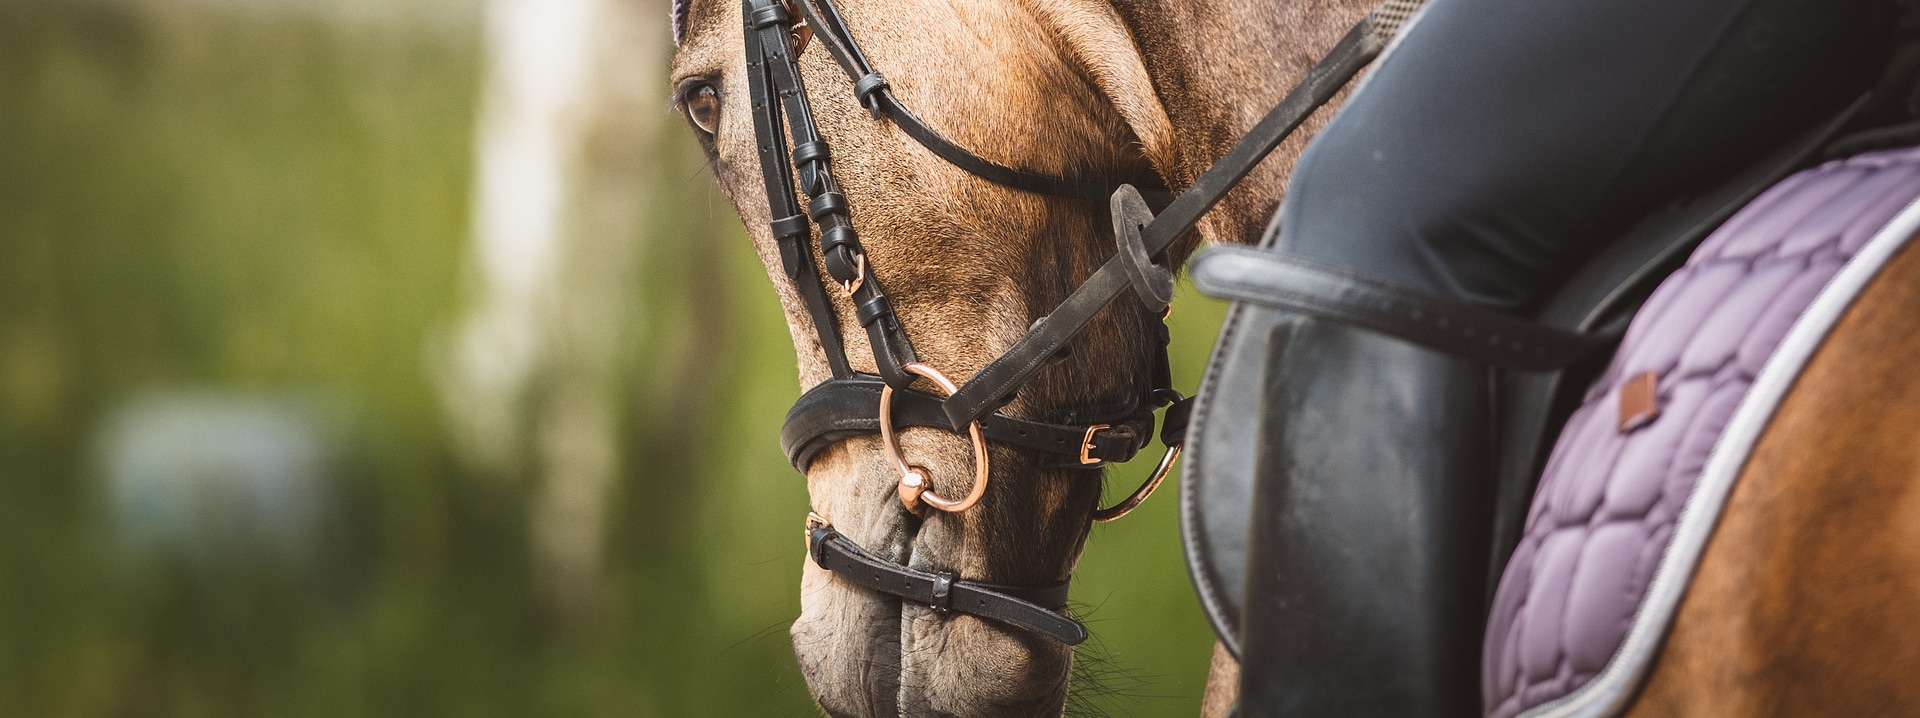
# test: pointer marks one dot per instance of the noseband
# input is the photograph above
(854, 404)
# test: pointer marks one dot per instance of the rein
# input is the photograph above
(852, 403)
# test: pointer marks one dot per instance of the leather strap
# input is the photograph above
(1266, 277)
(778, 91)
(873, 91)
(996, 384)
(841, 408)
(1030, 607)
(1173, 430)
(791, 231)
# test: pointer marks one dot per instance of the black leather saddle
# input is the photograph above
(1217, 493)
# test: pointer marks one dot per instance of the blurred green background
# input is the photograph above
(280, 437)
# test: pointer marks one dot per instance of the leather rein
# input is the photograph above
(853, 403)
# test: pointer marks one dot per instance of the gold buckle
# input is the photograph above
(859, 274)
(814, 521)
(1086, 444)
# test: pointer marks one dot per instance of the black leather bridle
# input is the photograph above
(853, 403)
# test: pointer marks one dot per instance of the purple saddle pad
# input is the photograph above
(1603, 519)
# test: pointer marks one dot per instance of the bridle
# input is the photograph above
(853, 403)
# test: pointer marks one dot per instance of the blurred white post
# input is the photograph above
(531, 377)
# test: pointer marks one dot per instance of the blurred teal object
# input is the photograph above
(211, 476)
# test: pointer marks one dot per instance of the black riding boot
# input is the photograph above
(1367, 562)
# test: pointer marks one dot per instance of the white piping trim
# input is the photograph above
(1614, 688)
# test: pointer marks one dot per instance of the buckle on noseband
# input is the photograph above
(1086, 444)
(770, 15)
(815, 522)
(914, 480)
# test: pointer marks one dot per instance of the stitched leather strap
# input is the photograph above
(841, 408)
(1173, 431)
(1029, 607)
(779, 92)
(874, 92)
(995, 384)
(1269, 278)
(791, 231)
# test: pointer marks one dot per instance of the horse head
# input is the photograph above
(963, 268)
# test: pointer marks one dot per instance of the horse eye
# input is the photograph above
(703, 107)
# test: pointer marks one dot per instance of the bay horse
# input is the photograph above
(1149, 93)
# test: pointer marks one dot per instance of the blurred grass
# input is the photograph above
(259, 202)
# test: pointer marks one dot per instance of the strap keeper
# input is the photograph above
(827, 203)
(864, 88)
(772, 14)
(806, 152)
(872, 309)
(844, 264)
(833, 238)
(941, 600)
(790, 235)
(787, 229)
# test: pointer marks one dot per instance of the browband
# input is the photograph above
(1029, 607)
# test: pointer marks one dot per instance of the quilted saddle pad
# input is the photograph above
(1639, 474)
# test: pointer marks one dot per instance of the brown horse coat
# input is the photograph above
(1805, 600)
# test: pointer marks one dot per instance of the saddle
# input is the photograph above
(1542, 366)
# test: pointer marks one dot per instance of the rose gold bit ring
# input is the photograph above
(914, 480)
(1127, 505)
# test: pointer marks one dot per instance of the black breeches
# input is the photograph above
(1505, 140)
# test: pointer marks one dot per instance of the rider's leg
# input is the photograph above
(1500, 144)
(1505, 139)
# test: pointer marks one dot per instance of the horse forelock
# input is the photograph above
(680, 22)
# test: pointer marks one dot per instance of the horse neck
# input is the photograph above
(1218, 67)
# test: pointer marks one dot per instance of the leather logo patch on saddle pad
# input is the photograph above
(1639, 401)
